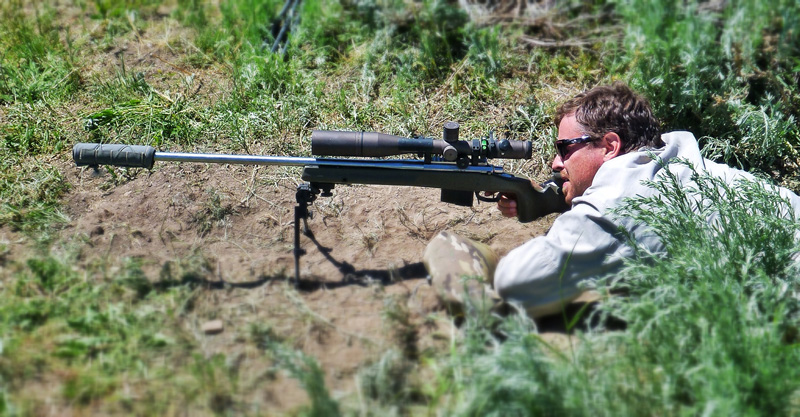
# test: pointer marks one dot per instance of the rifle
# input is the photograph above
(459, 168)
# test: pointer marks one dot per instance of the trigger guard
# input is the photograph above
(485, 199)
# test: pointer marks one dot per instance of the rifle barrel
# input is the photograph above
(414, 164)
(94, 154)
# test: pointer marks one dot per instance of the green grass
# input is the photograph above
(36, 63)
(710, 71)
(137, 109)
(712, 327)
(95, 328)
(712, 324)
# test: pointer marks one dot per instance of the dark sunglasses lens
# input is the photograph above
(562, 148)
(563, 145)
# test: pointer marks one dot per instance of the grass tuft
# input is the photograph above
(711, 325)
(34, 64)
(709, 68)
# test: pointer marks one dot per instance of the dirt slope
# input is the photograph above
(231, 229)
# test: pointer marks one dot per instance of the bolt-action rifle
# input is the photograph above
(459, 168)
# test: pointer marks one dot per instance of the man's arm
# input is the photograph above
(583, 243)
(546, 272)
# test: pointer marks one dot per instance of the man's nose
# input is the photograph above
(558, 164)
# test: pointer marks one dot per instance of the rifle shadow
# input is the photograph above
(350, 276)
(360, 277)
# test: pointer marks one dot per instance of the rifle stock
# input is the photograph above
(457, 187)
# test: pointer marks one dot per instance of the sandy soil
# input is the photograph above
(231, 229)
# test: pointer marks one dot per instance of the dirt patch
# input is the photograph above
(232, 227)
(244, 227)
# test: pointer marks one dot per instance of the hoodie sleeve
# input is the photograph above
(546, 272)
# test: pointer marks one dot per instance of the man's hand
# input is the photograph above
(507, 205)
(508, 202)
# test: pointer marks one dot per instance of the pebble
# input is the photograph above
(213, 327)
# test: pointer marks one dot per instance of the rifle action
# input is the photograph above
(459, 168)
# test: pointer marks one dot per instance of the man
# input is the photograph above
(607, 137)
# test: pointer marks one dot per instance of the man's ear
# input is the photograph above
(613, 146)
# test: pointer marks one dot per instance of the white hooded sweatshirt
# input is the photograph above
(585, 242)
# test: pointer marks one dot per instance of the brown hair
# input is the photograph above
(615, 108)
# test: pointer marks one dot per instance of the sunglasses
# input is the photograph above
(562, 145)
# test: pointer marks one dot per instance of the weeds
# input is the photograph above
(708, 69)
(728, 286)
(95, 338)
(213, 213)
(30, 194)
(305, 370)
(34, 64)
(138, 109)
(710, 324)
(386, 383)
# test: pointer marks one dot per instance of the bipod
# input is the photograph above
(305, 196)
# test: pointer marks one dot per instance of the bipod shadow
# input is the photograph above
(305, 196)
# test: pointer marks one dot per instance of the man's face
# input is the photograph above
(580, 161)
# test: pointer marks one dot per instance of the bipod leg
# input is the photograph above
(306, 194)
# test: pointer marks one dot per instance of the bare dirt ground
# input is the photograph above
(231, 227)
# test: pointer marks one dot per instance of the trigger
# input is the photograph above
(488, 199)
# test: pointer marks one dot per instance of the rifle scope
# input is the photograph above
(330, 143)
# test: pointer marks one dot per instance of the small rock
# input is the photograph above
(97, 231)
(213, 327)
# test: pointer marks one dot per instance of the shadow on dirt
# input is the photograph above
(193, 280)
(361, 277)
(350, 276)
